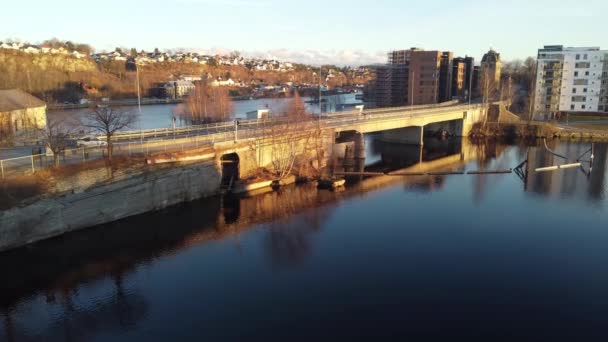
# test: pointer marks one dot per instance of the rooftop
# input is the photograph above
(15, 99)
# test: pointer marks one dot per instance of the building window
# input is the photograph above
(584, 90)
(582, 106)
(575, 73)
(573, 90)
(578, 57)
(586, 73)
(585, 56)
(572, 107)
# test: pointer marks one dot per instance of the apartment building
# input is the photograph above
(571, 79)
(413, 77)
(458, 79)
(390, 88)
(462, 77)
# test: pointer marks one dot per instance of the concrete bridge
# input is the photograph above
(405, 125)
(457, 119)
(343, 133)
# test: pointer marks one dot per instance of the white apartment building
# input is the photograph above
(571, 79)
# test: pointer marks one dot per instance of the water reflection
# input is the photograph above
(89, 284)
(582, 183)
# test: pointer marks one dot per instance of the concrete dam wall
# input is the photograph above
(137, 194)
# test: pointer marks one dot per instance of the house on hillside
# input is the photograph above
(219, 82)
(172, 90)
(32, 49)
(20, 113)
(191, 78)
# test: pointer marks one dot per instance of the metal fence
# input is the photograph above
(27, 165)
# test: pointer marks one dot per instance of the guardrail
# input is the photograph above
(229, 125)
(159, 140)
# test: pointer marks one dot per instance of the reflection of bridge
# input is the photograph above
(295, 214)
(434, 157)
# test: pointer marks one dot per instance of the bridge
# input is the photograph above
(398, 124)
(460, 117)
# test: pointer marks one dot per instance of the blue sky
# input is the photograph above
(313, 31)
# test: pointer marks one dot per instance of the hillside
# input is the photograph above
(59, 78)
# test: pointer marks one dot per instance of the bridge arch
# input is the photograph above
(230, 163)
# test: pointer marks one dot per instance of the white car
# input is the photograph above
(90, 141)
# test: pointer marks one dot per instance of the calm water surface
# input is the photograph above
(161, 116)
(495, 257)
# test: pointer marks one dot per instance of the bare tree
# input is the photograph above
(108, 120)
(291, 136)
(221, 104)
(487, 86)
(56, 135)
(507, 93)
(207, 104)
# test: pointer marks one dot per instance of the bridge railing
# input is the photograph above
(229, 125)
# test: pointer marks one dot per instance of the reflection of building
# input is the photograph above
(20, 112)
(571, 79)
(567, 182)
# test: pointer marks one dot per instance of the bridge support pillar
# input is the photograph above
(359, 146)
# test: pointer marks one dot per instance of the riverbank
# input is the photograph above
(533, 130)
(91, 197)
(129, 103)
(290, 256)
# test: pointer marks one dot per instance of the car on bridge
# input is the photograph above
(90, 141)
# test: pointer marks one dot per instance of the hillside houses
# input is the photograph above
(37, 49)
(143, 57)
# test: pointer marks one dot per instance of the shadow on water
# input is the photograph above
(57, 268)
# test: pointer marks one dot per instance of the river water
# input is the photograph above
(161, 116)
(457, 257)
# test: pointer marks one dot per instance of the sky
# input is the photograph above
(312, 31)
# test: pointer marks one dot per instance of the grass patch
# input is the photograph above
(591, 126)
(584, 117)
(17, 189)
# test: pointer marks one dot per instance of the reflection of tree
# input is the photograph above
(288, 240)
(288, 243)
(118, 312)
(9, 326)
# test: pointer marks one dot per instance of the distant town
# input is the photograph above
(71, 75)
(168, 74)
